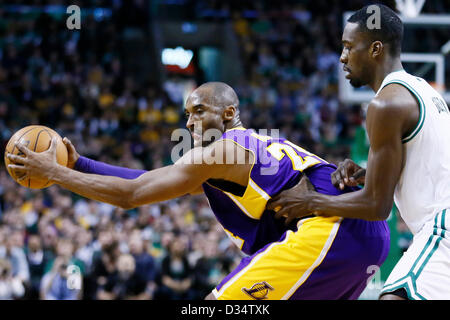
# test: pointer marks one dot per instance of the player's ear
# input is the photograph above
(228, 113)
(376, 49)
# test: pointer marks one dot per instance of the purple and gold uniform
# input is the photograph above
(314, 258)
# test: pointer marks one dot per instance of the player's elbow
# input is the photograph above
(129, 202)
(380, 215)
(127, 199)
(123, 202)
(378, 205)
(380, 211)
(137, 194)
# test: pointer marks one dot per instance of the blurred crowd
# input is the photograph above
(76, 83)
(50, 239)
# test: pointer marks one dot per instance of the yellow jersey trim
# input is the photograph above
(254, 200)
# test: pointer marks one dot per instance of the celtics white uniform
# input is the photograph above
(422, 196)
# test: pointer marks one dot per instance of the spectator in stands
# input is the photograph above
(145, 264)
(11, 287)
(55, 284)
(104, 263)
(209, 270)
(12, 250)
(125, 283)
(176, 273)
(65, 253)
(37, 260)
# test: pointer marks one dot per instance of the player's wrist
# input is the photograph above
(316, 203)
(58, 174)
(72, 164)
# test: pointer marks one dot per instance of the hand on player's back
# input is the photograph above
(73, 155)
(293, 203)
(348, 174)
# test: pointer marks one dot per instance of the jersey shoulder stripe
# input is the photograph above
(421, 120)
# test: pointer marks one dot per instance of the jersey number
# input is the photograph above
(279, 150)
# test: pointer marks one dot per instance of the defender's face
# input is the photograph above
(202, 116)
(355, 56)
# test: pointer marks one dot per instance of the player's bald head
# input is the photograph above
(214, 94)
(213, 105)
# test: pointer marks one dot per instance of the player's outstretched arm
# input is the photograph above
(86, 165)
(153, 186)
(185, 176)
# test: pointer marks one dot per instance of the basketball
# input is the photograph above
(37, 138)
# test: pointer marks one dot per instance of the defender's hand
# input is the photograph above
(73, 155)
(293, 203)
(35, 165)
(349, 174)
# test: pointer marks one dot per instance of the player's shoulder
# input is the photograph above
(228, 149)
(393, 109)
(394, 97)
(238, 134)
(222, 145)
(220, 152)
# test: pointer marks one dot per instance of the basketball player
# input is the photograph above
(408, 124)
(314, 258)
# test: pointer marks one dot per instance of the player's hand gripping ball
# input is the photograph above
(36, 138)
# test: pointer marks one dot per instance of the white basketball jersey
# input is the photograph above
(424, 186)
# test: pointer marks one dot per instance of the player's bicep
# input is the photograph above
(188, 174)
(384, 165)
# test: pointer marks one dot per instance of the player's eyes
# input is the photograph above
(196, 112)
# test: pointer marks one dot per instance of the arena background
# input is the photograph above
(116, 86)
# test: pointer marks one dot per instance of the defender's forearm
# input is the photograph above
(353, 205)
(109, 189)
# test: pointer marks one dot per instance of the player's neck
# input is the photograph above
(235, 123)
(385, 69)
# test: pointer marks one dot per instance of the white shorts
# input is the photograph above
(424, 269)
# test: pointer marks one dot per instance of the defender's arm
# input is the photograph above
(388, 119)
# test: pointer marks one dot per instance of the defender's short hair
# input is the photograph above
(390, 29)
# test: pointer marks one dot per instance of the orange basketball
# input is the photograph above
(37, 138)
